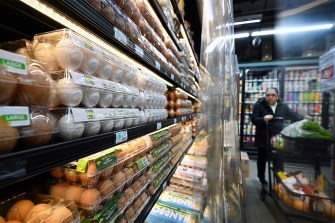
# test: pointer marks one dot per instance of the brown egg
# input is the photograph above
(171, 113)
(129, 193)
(150, 158)
(137, 204)
(40, 130)
(19, 210)
(172, 95)
(178, 103)
(90, 197)
(135, 168)
(171, 104)
(178, 113)
(57, 172)
(150, 174)
(143, 180)
(71, 176)
(106, 187)
(73, 193)
(136, 186)
(151, 189)
(130, 213)
(128, 172)
(90, 177)
(8, 137)
(118, 179)
(60, 215)
(34, 90)
(2, 220)
(8, 85)
(144, 197)
(106, 173)
(38, 213)
(121, 202)
(59, 189)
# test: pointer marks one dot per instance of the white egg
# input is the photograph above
(127, 122)
(44, 52)
(118, 124)
(69, 93)
(68, 54)
(136, 121)
(141, 100)
(106, 99)
(117, 74)
(92, 128)
(135, 97)
(53, 100)
(105, 71)
(140, 82)
(126, 77)
(143, 118)
(91, 97)
(90, 64)
(68, 129)
(107, 126)
(127, 100)
(117, 100)
(134, 80)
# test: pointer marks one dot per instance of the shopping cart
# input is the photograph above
(298, 189)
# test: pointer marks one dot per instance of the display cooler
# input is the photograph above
(107, 114)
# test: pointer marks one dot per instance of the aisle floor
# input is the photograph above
(258, 211)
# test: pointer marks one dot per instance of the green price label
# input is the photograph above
(15, 117)
(12, 63)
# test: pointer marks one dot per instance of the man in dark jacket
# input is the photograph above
(269, 109)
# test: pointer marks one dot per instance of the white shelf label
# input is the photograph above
(13, 62)
(164, 185)
(15, 116)
(121, 136)
(172, 76)
(183, 118)
(139, 51)
(157, 65)
(159, 125)
(174, 121)
(120, 36)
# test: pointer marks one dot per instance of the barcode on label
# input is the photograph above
(121, 136)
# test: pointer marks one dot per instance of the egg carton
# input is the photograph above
(72, 89)
(157, 181)
(25, 128)
(33, 207)
(159, 150)
(155, 100)
(154, 115)
(65, 49)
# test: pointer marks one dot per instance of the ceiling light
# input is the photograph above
(247, 22)
(292, 30)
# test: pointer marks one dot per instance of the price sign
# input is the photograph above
(172, 76)
(121, 136)
(174, 121)
(159, 125)
(120, 36)
(139, 51)
(164, 185)
(183, 118)
(157, 65)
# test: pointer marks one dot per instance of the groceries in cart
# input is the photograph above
(306, 129)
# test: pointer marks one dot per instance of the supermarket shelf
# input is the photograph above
(165, 22)
(160, 189)
(96, 23)
(181, 20)
(18, 166)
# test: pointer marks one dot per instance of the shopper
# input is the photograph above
(269, 109)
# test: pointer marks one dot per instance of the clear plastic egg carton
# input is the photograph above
(24, 128)
(154, 115)
(38, 208)
(96, 4)
(66, 50)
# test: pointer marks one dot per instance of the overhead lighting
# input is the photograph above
(247, 22)
(292, 30)
(219, 40)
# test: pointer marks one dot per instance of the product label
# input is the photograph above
(172, 76)
(14, 63)
(15, 116)
(142, 162)
(121, 136)
(82, 115)
(159, 125)
(157, 65)
(139, 51)
(105, 160)
(327, 73)
(120, 36)
(106, 214)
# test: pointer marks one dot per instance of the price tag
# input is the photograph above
(174, 121)
(13, 62)
(164, 185)
(15, 116)
(159, 125)
(183, 118)
(120, 36)
(157, 65)
(172, 76)
(121, 136)
(139, 51)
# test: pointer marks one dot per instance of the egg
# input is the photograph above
(136, 121)
(92, 128)
(137, 204)
(74, 193)
(106, 126)
(151, 190)
(141, 100)
(118, 179)
(59, 189)
(106, 187)
(144, 197)
(34, 89)
(91, 97)
(150, 175)
(2, 220)
(90, 64)
(171, 113)
(90, 177)
(68, 54)
(8, 137)
(71, 176)
(143, 180)
(44, 52)
(107, 172)
(117, 74)
(108, 12)
(171, 104)
(178, 113)
(105, 99)
(129, 194)
(57, 172)
(105, 71)
(117, 100)
(130, 214)
(136, 186)
(40, 130)
(127, 100)
(19, 210)
(127, 122)
(53, 99)
(90, 197)
(126, 77)
(171, 95)
(38, 213)
(60, 214)
(118, 124)
(69, 129)
(121, 202)
(8, 85)
(69, 93)
(143, 118)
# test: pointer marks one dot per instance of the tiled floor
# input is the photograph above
(258, 211)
